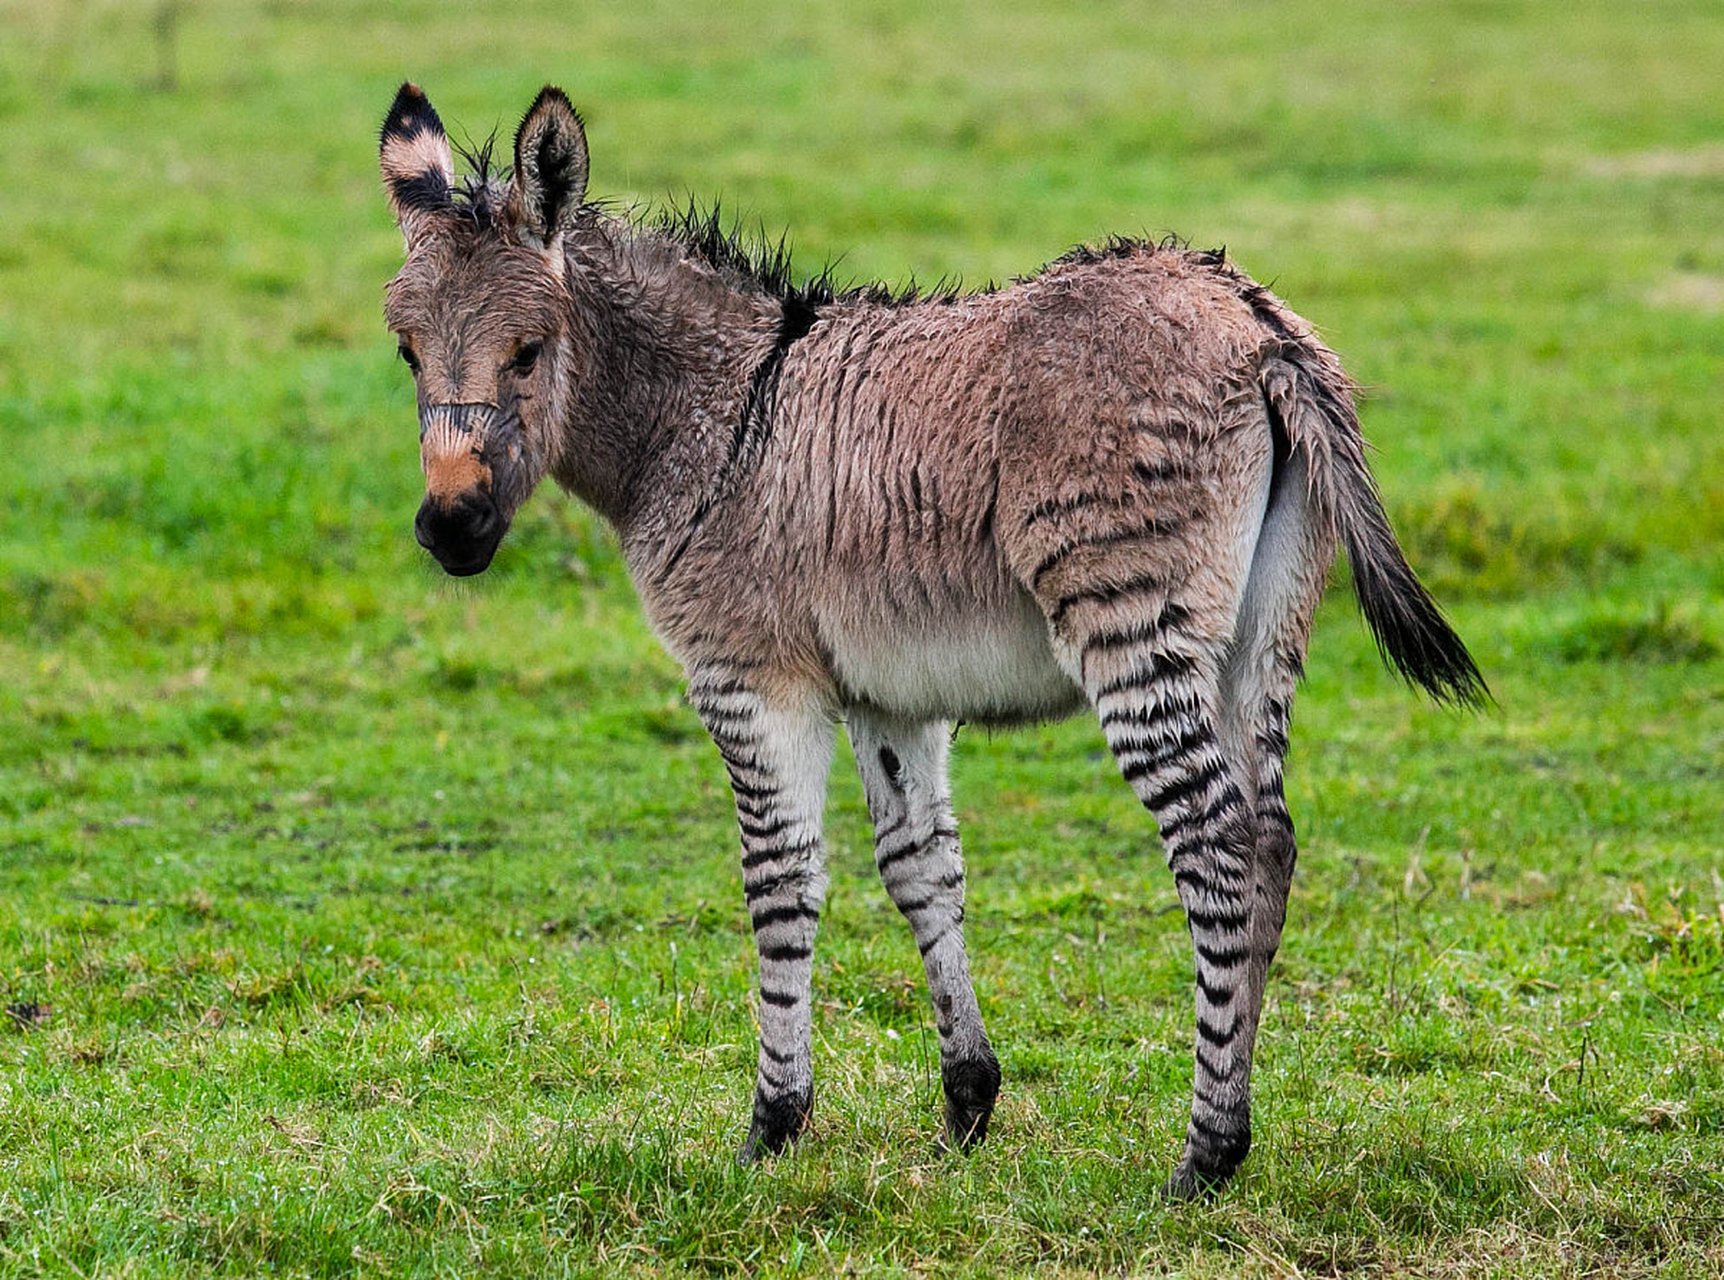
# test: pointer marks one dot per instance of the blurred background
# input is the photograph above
(265, 774)
(1503, 215)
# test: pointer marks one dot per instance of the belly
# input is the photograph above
(983, 665)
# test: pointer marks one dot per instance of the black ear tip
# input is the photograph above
(551, 98)
(410, 113)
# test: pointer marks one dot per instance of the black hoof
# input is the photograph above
(1189, 1183)
(971, 1088)
(1200, 1175)
(777, 1123)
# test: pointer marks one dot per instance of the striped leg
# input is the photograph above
(1158, 703)
(1259, 717)
(1262, 672)
(903, 767)
(1277, 850)
(778, 758)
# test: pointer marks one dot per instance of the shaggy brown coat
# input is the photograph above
(1117, 484)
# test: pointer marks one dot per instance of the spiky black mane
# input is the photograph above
(758, 261)
(476, 194)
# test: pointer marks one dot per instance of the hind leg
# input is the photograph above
(1159, 704)
(1137, 537)
(1151, 663)
(903, 767)
(1263, 669)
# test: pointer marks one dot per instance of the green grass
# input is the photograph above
(353, 921)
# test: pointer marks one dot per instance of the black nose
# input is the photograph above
(462, 534)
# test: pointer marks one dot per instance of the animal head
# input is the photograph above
(480, 310)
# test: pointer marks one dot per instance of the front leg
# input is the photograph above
(903, 767)
(778, 757)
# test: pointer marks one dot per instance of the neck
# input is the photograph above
(666, 351)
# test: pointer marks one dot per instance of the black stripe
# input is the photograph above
(754, 424)
(734, 746)
(1192, 880)
(1222, 957)
(884, 860)
(925, 945)
(759, 810)
(782, 1059)
(1221, 1072)
(423, 193)
(769, 885)
(1164, 753)
(760, 857)
(1228, 799)
(1160, 472)
(786, 951)
(1202, 918)
(1062, 506)
(1276, 816)
(1135, 717)
(1210, 1134)
(726, 688)
(1230, 877)
(1216, 1036)
(711, 714)
(762, 830)
(1220, 997)
(1158, 527)
(780, 999)
(891, 828)
(779, 915)
(1107, 593)
(1146, 631)
(1185, 704)
(410, 114)
(748, 791)
(1187, 786)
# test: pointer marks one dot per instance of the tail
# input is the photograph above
(1310, 403)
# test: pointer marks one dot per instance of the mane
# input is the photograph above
(480, 194)
(755, 260)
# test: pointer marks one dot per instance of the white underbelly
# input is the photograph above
(983, 667)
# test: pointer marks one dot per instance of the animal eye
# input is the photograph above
(407, 357)
(526, 357)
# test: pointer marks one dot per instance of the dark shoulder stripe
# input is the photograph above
(797, 315)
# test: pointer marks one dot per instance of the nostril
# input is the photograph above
(484, 521)
(422, 530)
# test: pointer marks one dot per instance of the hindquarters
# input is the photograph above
(1173, 548)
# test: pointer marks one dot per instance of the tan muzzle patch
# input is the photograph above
(451, 447)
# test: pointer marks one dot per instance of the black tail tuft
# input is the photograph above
(1411, 632)
(1312, 399)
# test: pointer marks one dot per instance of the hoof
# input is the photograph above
(777, 1123)
(1188, 1184)
(1199, 1176)
(971, 1088)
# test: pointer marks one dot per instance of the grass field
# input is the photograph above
(353, 921)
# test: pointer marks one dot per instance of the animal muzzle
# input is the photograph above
(459, 522)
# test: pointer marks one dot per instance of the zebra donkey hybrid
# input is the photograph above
(1116, 484)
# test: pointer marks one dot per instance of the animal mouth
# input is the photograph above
(466, 568)
(467, 561)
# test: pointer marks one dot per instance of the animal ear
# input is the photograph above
(418, 168)
(550, 166)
